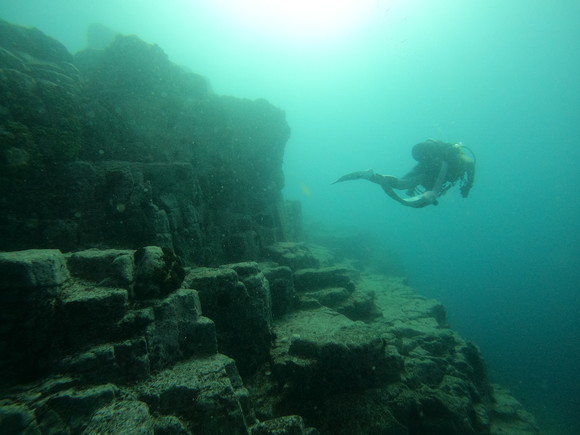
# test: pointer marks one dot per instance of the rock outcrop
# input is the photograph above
(121, 148)
(150, 284)
(203, 351)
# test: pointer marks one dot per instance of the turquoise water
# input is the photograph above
(360, 86)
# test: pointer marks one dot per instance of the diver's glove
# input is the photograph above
(360, 175)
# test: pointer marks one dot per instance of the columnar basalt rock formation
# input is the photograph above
(121, 148)
(151, 281)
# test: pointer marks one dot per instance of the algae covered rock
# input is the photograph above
(208, 393)
(294, 255)
(32, 269)
(31, 282)
(15, 418)
(111, 266)
(320, 352)
(126, 416)
(234, 295)
(282, 291)
(158, 272)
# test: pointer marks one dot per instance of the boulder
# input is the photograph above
(158, 272)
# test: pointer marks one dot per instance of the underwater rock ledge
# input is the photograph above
(198, 312)
(123, 341)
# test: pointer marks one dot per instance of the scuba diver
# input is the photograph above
(441, 165)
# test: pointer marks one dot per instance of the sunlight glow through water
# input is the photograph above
(300, 22)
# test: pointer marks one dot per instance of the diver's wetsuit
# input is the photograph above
(441, 165)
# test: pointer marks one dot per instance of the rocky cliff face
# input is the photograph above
(120, 147)
(159, 327)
